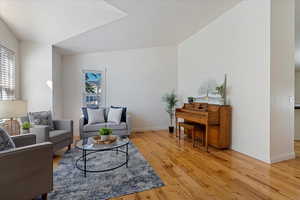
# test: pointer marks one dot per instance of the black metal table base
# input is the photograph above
(85, 154)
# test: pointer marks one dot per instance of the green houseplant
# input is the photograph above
(26, 126)
(171, 101)
(104, 133)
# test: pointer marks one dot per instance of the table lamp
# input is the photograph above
(11, 110)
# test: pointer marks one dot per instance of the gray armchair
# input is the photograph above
(61, 136)
(27, 170)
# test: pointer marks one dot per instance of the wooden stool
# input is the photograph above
(194, 131)
(189, 127)
(199, 131)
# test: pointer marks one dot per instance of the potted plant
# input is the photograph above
(171, 102)
(221, 90)
(104, 133)
(26, 126)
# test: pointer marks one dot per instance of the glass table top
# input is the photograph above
(89, 145)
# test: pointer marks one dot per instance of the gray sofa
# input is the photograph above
(27, 170)
(88, 130)
(61, 136)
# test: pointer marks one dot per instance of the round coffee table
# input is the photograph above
(87, 146)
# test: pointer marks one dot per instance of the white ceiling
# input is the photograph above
(149, 23)
(81, 26)
(51, 21)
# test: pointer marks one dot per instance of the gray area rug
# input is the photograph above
(70, 183)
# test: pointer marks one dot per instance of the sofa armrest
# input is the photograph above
(41, 133)
(28, 170)
(24, 140)
(129, 124)
(81, 124)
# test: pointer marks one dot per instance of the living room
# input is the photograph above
(73, 72)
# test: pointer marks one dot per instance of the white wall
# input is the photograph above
(238, 44)
(254, 44)
(57, 84)
(36, 62)
(8, 40)
(297, 100)
(282, 79)
(135, 78)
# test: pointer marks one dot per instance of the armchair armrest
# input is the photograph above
(24, 140)
(28, 170)
(41, 133)
(129, 124)
(63, 125)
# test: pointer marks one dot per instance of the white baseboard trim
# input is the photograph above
(283, 157)
(158, 128)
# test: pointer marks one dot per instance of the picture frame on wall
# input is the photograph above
(94, 88)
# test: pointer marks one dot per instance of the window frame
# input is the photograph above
(12, 81)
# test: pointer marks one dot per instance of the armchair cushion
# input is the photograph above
(6, 142)
(41, 118)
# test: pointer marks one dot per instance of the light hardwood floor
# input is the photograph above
(190, 173)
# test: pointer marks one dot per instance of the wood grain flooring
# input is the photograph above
(192, 174)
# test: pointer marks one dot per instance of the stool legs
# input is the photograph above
(179, 131)
(193, 136)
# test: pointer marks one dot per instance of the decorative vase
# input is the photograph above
(171, 129)
(25, 131)
(190, 99)
(104, 137)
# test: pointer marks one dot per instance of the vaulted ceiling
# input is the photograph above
(80, 26)
(52, 21)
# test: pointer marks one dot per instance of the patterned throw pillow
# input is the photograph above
(6, 142)
(41, 118)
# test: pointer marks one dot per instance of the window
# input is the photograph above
(7, 74)
(93, 89)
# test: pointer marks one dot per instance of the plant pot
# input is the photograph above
(171, 129)
(104, 137)
(25, 131)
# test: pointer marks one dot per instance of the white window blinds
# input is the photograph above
(7, 74)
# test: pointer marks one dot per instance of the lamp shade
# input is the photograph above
(10, 109)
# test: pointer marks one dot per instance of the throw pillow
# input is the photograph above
(114, 115)
(85, 115)
(95, 116)
(6, 142)
(41, 118)
(123, 117)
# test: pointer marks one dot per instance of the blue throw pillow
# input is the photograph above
(123, 117)
(6, 142)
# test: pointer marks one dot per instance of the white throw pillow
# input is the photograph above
(95, 116)
(114, 115)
